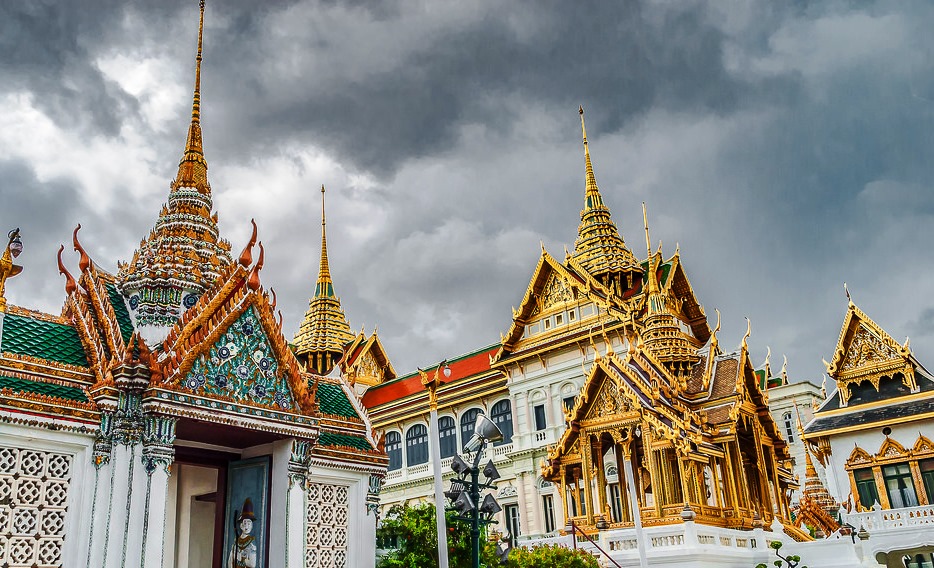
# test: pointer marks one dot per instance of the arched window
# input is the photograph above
(501, 413)
(468, 421)
(394, 450)
(416, 445)
(447, 432)
(789, 427)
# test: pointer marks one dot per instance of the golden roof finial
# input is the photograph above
(192, 169)
(599, 248)
(324, 287)
(745, 345)
(324, 331)
(648, 242)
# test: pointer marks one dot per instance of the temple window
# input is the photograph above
(866, 487)
(394, 450)
(540, 421)
(559, 319)
(416, 445)
(899, 485)
(501, 413)
(789, 427)
(927, 477)
(548, 513)
(468, 421)
(547, 323)
(512, 520)
(447, 433)
(572, 315)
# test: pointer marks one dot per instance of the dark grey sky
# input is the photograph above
(786, 146)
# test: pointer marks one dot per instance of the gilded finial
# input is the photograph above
(784, 371)
(847, 291)
(324, 287)
(85, 261)
(748, 333)
(70, 285)
(716, 329)
(246, 257)
(768, 355)
(193, 168)
(648, 242)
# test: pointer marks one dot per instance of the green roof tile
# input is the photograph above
(23, 335)
(332, 400)
(123, 315)
(332, 439)
(48, 389)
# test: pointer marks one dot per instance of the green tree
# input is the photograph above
(790, 561)
(413, 534)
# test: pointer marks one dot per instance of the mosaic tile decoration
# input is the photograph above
(241, 365)
(33, 498)
(327, 519)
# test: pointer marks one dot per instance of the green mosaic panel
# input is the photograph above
(48, 389)
(123, 315)
(333, 439)
(242, 366)
(23, 335)
(332, 400)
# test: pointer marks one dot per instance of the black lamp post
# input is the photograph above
(466, 487)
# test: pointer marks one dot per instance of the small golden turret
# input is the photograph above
(324, 331)
(600, 248)
(193, 168)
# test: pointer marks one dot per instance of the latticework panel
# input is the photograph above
(328, 517)
(33, 496)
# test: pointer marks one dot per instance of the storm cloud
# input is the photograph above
(785, 147)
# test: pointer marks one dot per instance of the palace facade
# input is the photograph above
(617, 404)
(163, 420)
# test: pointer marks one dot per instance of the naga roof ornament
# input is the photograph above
(324, 331)
(599, 248)
(183, 254)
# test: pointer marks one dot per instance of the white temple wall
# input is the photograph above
(325, 518)
(68, 538)
(870, 439)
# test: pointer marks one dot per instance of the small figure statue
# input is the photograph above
(243, 551)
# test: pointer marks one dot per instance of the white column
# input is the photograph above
(157, 458)
(296, 504)
(435, 447)
(133, 539)
(155, 522)
(637, 512)
(295, 525)
(119, 506)
(525, 519)
(100, 510)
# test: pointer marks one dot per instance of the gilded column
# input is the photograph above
(586, 465)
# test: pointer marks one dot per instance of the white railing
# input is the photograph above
(502, 451)
(541, 436)
(886, 519)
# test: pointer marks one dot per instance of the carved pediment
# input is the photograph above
(241, 365)
(891, 449)
(858, 457)
(923, 446)
(556, 291)
(867, 349)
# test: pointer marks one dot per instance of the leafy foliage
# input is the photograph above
(550, 557)
(790, 561)
(413, 531)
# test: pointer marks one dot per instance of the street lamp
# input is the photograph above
(7, 269)
(465, 493)
(432, 384)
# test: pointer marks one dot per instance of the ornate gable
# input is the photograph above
(242, 365)
(552, 287)
(366, 362)
(866, 353)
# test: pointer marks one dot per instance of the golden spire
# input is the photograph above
(324, 331)
(599, 247)
(324, 287)
(193, 168)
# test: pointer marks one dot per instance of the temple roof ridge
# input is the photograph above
(599, 246)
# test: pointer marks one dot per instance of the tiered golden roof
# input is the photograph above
(184, 250)
(324, 332)
(661, 334)
(599, 248)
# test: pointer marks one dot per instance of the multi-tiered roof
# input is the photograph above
(324, 331)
